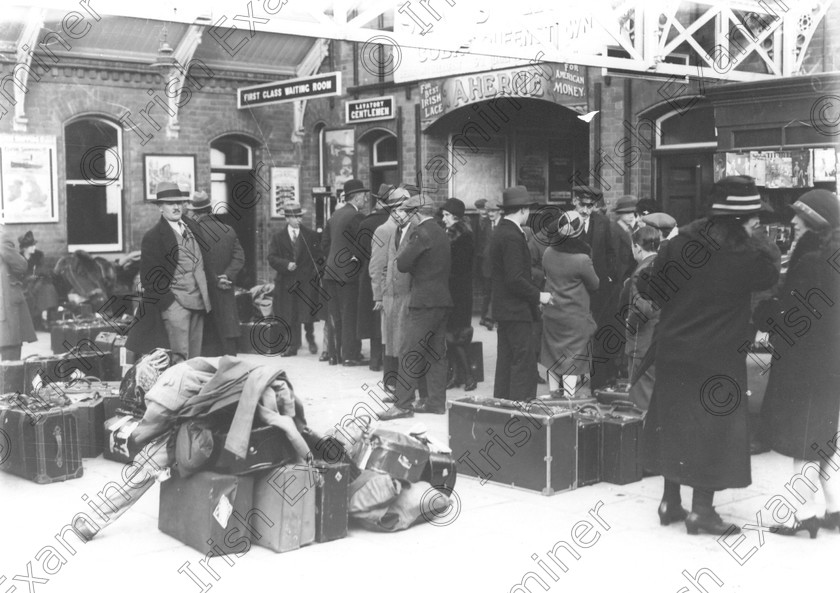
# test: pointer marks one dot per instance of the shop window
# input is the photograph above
(93, 158)
(693, 127)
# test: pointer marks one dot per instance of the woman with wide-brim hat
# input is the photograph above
(802, 402)
(696, 432)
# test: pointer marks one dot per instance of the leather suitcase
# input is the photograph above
(589, 450)
(621, 448)
(244, 305)
(268, 447)
(397, 454)
(529, 446)
(285, 498)
(112, 346)
(58, 368)
(88, 398)
(263, 337)
(332, 499)
(208, 512)
(43, 443)
(64, 336)
(11, 376)
(620, 392)
(117, 431)
(441, 472)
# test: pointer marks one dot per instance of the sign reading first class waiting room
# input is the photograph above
(293, 89)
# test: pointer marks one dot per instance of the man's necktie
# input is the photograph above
(294, 235)
(399, 235)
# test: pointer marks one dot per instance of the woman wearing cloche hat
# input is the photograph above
(802, 403)
(696, 431)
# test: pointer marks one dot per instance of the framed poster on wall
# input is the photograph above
(339, 157)
(178, 168)
(285, 185)
(28, 180)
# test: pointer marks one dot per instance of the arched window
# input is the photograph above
(687, 128)
(384, 159)
(93, 158)
(227, 156)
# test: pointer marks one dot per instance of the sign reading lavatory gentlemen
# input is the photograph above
(293, 89)
(365, 110)
(564, 84)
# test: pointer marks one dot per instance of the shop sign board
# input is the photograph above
(294, 89)
(365, 110)
(563, 84)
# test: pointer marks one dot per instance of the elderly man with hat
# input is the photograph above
(294, 253)
(423, 363)
(696, 429)
(224, 258)
(342, 245)
(173, 275)
(516, 299)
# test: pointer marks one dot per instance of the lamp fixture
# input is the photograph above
(165, 52)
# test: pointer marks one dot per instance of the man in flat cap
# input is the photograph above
(225, 258)
(173, 275)
(342, 270)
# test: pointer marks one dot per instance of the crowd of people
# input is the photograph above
(589, 297)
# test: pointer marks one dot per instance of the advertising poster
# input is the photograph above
(28, 179)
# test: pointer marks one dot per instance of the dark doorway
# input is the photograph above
(683, 182)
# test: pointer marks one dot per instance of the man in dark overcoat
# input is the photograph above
(15, 321)
(516, 299)
(225, 258)
(427, 258)
(173, 276)
(294, 252)
(342, 270)
(368, 323)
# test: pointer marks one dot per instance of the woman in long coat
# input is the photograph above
(696, 430)
(568, 324)
(39, 289)
(459, 323)
(15, 322)
(803, 398)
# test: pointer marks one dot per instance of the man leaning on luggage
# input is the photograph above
(199, 386)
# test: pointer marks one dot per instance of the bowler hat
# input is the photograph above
(200, 201)
(819, 208)
(517, 196)
(736, 195)
(292, 208)
(167, 191)
(454, 206)
(27, 240)
(646, 206)
(354, 186)
(625, 204)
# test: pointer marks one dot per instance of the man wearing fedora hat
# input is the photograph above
(516, 299)
(173, 275)
(342, 271)
(294, 252)
(225, 258)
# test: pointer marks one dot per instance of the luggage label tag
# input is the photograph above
(223, 511)
(403, 461)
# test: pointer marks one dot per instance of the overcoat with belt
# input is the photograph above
(304, 303)
(159, 257)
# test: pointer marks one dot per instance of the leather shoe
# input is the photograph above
(396, 412)
(671, 513)
(375, 366)
(453, 383)
(359, 362)
(710, 523)
(313, 348)
(811, 525)
(424, 408)
(333, 361)
(471, 385)
(325, 356)
(288, 353)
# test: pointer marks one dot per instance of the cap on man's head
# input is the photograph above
(168, 191)
(586, 193)
(480, 203)
(625, 204)
(660, 220)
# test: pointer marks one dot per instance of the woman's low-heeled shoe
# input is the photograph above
(671, 513)
(710, 523)
(811, 525)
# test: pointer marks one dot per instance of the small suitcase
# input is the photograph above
(268, 447)
(285, 498)
(59, 368)
(112, 346)
(42, 444)
(589, 450)
(76, 333)
(332, 499)
(117, 431)
(11, 376)
(621, 448)
(395, 453)
(88, 398)
(620, 392)
(244, 305)
(530, 446)
(440, 472)
(209, 512)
